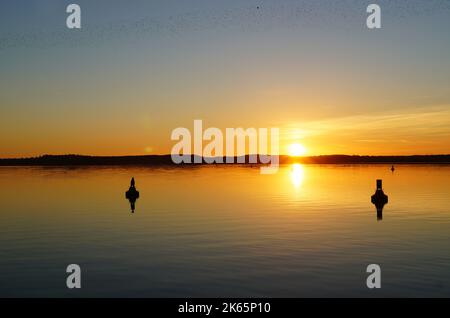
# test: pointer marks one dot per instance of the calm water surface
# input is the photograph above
(309, 230)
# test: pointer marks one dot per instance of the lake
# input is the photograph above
(225, 231)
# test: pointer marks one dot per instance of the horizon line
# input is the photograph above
(235, 156)
(160, 160)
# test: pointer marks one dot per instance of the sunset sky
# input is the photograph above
(138, 69)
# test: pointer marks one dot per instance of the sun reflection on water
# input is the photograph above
(297, 174)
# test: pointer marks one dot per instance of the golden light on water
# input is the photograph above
(296, 150)
(297, 174)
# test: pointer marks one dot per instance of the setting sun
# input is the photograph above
(296, 150)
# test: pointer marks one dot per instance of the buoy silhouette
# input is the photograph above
(132, 195)
(379, 199)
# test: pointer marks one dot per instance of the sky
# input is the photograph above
(138, 69)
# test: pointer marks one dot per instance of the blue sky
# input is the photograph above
(146, 67)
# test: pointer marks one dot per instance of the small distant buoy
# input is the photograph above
(392, 168)
(257, 8)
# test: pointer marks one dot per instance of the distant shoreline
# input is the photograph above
(158, 160)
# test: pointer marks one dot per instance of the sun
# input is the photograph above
(296, 150)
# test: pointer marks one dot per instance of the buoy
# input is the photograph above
(379, 199)
(132, 195)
